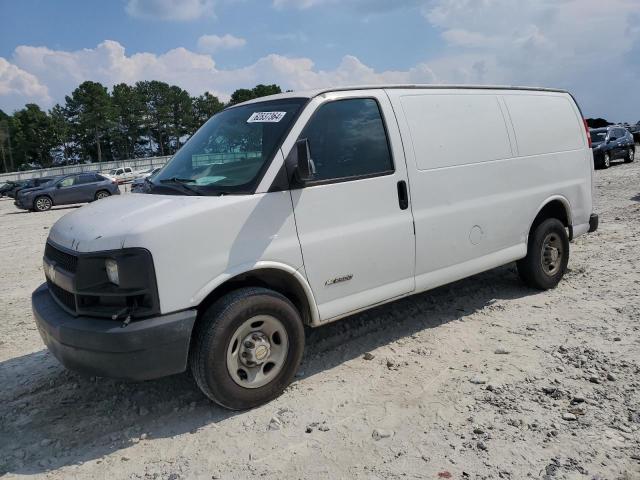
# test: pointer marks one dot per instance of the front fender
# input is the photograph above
(295, 273)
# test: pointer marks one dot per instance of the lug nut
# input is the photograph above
(249, 344)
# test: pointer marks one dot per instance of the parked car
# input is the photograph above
(33, 183)
(6, 187)
(138, 185)
(611, 143)
(296, 210)
(121, 175)
(67, 189)
(14, 186)
(635, 131)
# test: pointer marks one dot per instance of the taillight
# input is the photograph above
(586, 127)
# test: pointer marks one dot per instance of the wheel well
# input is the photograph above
(553, 209)
(271, 278)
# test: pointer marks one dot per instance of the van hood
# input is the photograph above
(126, 221)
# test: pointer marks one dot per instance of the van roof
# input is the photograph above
(316, 92)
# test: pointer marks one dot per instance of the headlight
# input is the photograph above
(116, 283)
(112, 271)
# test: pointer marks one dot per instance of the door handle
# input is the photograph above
(403, 195)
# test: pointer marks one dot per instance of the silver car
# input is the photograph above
(76, 188)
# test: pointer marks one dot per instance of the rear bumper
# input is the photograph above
(593, 222)
(145, 349)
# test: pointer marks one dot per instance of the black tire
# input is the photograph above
(531, 268)
(606, 160)
(212, 338)
(630, 156)
(102, 194)
(42, 204)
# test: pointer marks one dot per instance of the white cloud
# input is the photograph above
(58, 72)
(17, 85)
(175, 10)
(582, 45)
(213, 43)
(575, 44)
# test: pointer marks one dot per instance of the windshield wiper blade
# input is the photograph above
(184, 183)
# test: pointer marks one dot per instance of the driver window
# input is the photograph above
(347, 138)
(67, 182)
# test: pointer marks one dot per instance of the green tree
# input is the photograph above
(32, 135)
(5, 142)
(128, 109)
(157, 113)
(181, 115)
(204, 107)
(90, 114)
(61, 133)
(244, 94)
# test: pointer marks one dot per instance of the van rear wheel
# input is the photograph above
(247, 348)
(547, 255)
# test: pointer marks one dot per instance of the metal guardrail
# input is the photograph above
(136, 164)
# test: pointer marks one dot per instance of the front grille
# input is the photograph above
(67, 299)
(62, 259)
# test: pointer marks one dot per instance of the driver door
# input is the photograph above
(65, 192)
(353, 218)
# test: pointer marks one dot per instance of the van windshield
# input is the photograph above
(229, 152)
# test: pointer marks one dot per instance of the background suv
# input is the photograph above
(77, 188)
(612, 143)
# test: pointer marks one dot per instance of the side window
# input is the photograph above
(347, 138)
(86, 178)
(67, 182)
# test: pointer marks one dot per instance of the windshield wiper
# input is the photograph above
(183, 182)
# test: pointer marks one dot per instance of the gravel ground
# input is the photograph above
(483, 378)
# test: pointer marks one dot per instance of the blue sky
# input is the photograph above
(48, 47)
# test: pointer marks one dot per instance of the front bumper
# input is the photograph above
(144, 349)
(21, 204)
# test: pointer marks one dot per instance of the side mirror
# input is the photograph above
(306, 167)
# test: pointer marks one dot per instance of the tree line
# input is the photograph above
(150, 118)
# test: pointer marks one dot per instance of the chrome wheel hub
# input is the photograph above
(552, 252)
(42, 203)
(257, 351)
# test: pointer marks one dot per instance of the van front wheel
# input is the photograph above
(247, 348)
(547, 255)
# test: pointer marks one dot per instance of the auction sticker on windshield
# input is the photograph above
(266, 117)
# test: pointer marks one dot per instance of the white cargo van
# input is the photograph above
(302, 208)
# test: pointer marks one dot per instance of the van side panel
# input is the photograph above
(544, 123)
(458, 125)
(474, 194)
(549, 127)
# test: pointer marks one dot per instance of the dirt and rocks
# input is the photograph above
(481, 379)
